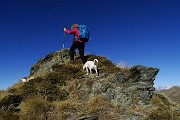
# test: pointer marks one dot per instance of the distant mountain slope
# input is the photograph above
(161, 88)
(173, 93)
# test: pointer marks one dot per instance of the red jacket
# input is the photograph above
(74, 31)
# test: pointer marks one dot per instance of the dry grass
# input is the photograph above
(3, 93)
(35, 108)
(64, 109)
(104, 110)
(38, 108)
(163, 109)
(8, 115)
(16, 88)
(68, 71)
(95, 105)
(125, 71)
(49, 87)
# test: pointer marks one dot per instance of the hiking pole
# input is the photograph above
(64, 37)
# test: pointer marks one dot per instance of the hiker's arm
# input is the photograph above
(70, 31)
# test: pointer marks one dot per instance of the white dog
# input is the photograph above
(26, 79)
(89, 65)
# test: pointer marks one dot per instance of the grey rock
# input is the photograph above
(88, 117)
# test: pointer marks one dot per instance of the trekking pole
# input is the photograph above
(64, 37)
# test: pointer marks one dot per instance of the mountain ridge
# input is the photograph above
(62, 91)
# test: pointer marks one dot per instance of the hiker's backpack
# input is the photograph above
(83, 33)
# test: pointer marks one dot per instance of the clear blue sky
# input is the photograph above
(145, 32)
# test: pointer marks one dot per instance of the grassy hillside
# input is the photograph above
(173, 93)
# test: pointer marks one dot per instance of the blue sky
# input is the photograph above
(145, 32)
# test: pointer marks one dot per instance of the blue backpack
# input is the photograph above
(84, 33)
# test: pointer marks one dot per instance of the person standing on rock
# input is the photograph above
(77, 43)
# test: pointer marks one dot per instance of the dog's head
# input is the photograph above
(96, 62)
(24, 79)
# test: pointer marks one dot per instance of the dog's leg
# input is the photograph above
(90, 71)
(87, 70)
(95, 68)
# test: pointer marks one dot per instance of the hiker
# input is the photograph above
(77, 43)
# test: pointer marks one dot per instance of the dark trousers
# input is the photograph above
(80, 46)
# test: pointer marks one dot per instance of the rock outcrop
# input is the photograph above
(120, 88)
(45, 64)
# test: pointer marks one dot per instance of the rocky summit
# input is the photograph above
(61, 90)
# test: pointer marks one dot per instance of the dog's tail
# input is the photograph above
(95, 61)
